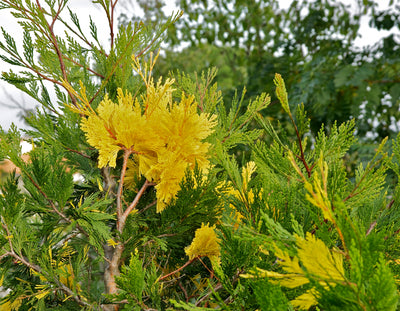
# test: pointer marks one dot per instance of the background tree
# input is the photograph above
(312, 44)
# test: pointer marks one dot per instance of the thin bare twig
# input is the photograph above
(302, 156)
(54, 42)
(179, 269)
(82, 66)
(113, 267)
(371, 227)
(78, 152)
(136, 200)
(147, 207)
(111, 22)
(127, 153)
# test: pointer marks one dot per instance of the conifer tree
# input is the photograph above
(166, 215)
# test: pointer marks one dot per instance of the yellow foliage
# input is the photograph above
(62, 269)
(313, 261)
(67, 276)
(205, 243)
(318, 260)
(112, 243)
(7, 305)
(43, 291)
(247, 171)
(318, 193)
(165, 137)
(306, 300)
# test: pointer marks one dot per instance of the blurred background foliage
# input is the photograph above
(311, 44)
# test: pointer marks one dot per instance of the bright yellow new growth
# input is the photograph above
(7, 305)
(112, 243)
(205, 243)
(247, 171)
(317, 262)
(165, 137)
(63, 268)
(318, 193)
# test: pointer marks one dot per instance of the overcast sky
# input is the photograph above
(11, 96)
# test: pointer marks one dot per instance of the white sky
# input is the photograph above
(84, 8)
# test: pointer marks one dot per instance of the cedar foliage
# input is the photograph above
(295, 228)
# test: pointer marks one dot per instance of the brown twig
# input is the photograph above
(54, 42)
(28, 14)
(121, 214)
(113, 267)
(111, 22)
(82, 37)
(50, 36)
(371, 227)
(82, 66)
(205, 297)
(127, 153)
(136, 200)
(55, 16)
(179, 269)
(218, 286)
(28, 66)
(302, 156)
(389, 206)
(183, 290)
(78, 152)
(146, 48)
(147, 207)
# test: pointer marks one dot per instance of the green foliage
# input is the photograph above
(132, 283)
(313, 44)
(295, 225)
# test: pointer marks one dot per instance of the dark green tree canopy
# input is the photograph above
(311, 43)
